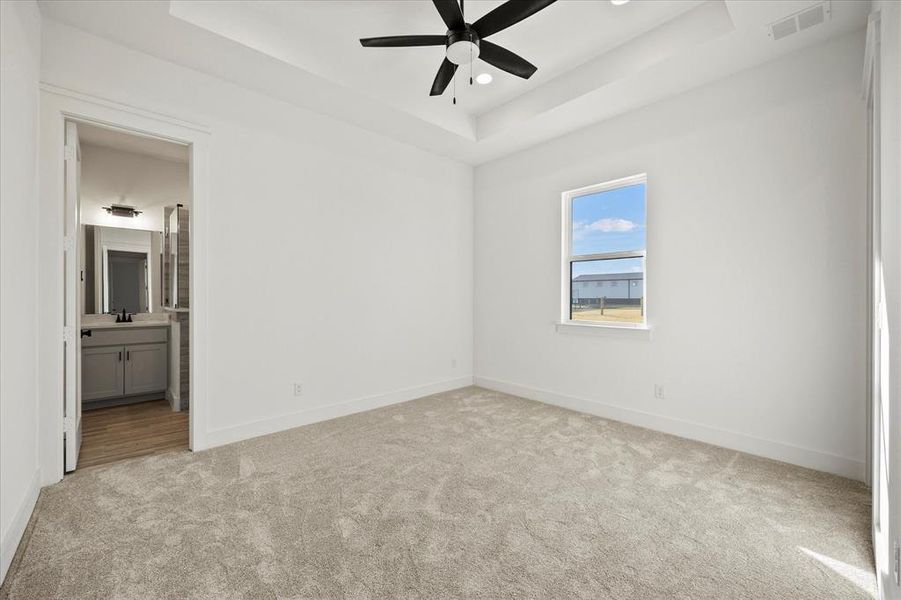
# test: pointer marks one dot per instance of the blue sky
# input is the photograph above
(611, 221)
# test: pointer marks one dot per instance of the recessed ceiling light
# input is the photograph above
(618, 2)
(484, 78)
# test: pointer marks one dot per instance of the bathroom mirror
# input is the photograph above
(175, 257)
(121, 269)
(170, 296)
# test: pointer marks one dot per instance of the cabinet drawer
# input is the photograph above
(124, 336)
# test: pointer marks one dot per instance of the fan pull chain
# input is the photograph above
(455, 87)
(470, 64)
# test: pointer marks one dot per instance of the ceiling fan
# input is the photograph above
(465, 42)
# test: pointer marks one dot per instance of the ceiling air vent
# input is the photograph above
(800, 21)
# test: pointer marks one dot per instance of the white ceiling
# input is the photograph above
(322, 38)
(594, 60)
(135, 170)
(134, 143)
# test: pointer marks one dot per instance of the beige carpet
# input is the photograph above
(468, 494)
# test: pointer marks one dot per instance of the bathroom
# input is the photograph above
(133, 250)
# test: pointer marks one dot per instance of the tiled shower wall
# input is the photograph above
(184, 296)
(184, 301)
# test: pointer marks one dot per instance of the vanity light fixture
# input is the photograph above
(118, 210)
(484, 78)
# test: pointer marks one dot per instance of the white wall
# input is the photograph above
(757, 178)
(148, 183)
(20, 39)
(305, 212)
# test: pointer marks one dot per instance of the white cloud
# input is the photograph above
(612, 225)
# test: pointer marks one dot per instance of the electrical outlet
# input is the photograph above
(298, 389)
(658, 391)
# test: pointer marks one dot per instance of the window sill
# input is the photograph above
(639, 333)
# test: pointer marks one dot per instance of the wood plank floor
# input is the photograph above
(111, 434)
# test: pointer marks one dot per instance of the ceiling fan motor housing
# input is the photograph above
(462, 45)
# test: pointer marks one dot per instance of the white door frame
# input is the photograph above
(876, 467)
(885, 404)
(72, 279)
(57, 106)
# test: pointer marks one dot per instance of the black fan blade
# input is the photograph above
(395, 41)
(443, 78)
(505, 60)
(507, 14)
(450, 13)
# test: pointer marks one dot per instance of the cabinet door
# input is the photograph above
(102, 372)
(146, 368)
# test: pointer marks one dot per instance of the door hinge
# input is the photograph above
(68, 423)
(69, 153)
(68, 334)
(68, 243)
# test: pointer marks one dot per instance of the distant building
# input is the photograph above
(626, 287)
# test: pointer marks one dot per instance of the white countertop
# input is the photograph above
(132, 325)
(111, 324)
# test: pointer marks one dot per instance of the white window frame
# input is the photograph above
(567, 258)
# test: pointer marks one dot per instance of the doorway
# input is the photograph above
(56, 330)
(126, 370)
(128, 280)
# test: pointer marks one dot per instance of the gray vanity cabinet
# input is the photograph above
(119, 363)
(145, 368)
(102, 372)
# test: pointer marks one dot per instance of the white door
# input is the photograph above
(72, 313)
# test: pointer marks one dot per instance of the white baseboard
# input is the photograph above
(796, 455)
(219, 437)
(10, 542)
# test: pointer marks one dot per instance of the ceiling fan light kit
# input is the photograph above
(464, 42)
(462, 46)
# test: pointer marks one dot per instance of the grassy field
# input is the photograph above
(625, 314)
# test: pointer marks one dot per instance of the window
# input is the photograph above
(604, 241)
